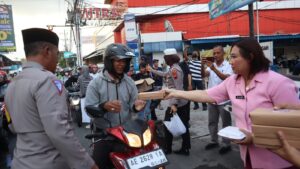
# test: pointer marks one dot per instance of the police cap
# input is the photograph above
(39, 35)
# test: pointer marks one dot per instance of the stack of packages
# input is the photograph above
(266, 123)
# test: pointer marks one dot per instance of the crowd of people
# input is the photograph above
(40, 117)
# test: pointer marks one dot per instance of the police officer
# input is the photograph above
(36, 101)
(179, 106)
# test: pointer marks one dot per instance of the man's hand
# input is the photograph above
(247, 140)
(208, 63)
(287, 151)
(173, 109)
(139, 105)
(113, 106)
(148, 68)
(94, 167)
(170, 93)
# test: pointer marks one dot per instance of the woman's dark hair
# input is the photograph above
(171, 59)
(251, 50)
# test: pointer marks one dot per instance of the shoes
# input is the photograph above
(211, 146)
(196, 107)
(204, 108)
(224, 149)
(185, 152)
(167, 151)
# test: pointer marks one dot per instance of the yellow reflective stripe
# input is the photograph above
(7, 115)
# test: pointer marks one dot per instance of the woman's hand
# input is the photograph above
(247, 140)
(287, 151)
(139, 105)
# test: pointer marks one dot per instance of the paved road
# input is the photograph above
(199, 158)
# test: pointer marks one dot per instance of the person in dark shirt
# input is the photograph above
(157, 86)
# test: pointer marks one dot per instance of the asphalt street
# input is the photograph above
(198, 158)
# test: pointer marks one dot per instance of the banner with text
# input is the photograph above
(220, 7)
(7, 36)
(132, 38)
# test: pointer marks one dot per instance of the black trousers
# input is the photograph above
(184, 116)
(101, 153)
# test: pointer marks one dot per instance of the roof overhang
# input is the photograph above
(230, 39)
(98, 52)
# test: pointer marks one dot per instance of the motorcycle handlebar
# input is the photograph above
(95, 135)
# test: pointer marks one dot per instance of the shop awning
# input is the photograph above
(98, 52)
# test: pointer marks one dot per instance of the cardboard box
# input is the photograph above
(151, 95)
(281, 118)
(266, 123)
(271, 132)
(144, 84)
(273, 143)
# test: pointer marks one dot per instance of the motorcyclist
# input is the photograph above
(3, 84)
(115, 94)
(6, 137)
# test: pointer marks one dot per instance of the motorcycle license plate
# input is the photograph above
(149, 160)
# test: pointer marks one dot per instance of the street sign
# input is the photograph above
(220, 7)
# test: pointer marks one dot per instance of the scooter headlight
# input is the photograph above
(133, 140)
(147, 135)
(75, 101)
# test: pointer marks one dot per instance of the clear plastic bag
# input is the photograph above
(175, 126)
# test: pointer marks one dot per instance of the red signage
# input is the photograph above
(100, 13)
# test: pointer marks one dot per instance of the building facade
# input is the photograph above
(275, 21)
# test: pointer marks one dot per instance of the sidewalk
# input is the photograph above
(200, 158)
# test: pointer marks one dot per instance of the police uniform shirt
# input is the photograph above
(36, 101)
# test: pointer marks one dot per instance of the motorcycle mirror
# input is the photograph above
(95, 112)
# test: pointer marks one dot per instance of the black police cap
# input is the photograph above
(39, 35)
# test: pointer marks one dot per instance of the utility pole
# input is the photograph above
(251, 20)
(77, 22)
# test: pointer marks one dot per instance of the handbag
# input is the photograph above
(175, 126)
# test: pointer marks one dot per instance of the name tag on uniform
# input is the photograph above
(240, 97)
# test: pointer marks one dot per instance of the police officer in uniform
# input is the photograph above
(36, 101)
(179, 106)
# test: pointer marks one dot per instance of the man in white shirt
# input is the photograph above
(216, 72)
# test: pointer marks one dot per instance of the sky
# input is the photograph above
(40, 13)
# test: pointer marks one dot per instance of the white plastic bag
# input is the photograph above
(175, 126)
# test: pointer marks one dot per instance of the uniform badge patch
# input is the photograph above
(174, 73)
(58, 85)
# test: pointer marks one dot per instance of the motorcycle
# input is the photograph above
(74, 103)
(136, 146)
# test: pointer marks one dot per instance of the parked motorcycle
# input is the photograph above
(135, 147)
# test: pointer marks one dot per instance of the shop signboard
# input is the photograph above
(7, 36)
(220, 7)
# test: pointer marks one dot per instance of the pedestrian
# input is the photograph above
(36, 102)
(187, 77)
(83, 82)
(144, 114)
(217, 72)
(179, 106)
(197, 72)
(253, 86)
(157, 86)
(94, 70)
(116, 95)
